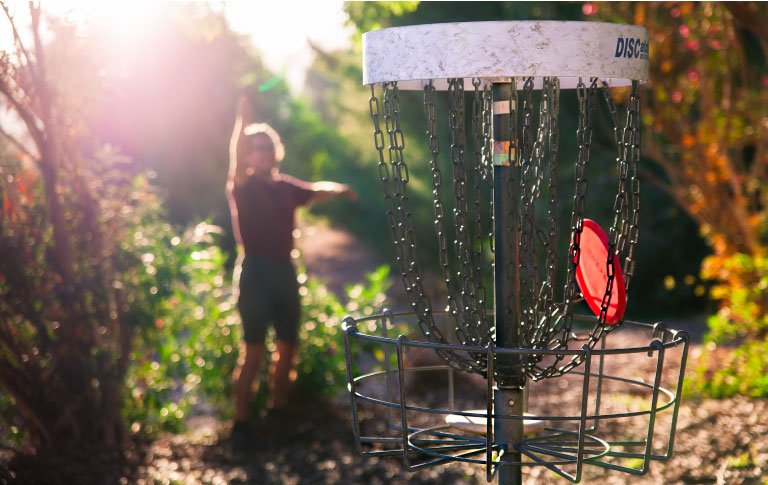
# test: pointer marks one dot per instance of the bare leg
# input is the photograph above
(281, 377)
(248, 367)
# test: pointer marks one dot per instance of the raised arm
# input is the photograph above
(322, 191)
(238, 144)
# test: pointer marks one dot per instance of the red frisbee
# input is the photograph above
(592, 274)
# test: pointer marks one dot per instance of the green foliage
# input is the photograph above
(66, 311)
(186, 351)
(740, 371)
(742, 281)
(740, 322)
(741, 461)
(322, 369)
(367, 16)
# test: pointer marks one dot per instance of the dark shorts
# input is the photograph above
(269, 294)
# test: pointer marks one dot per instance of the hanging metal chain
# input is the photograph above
(583, 139)
(474, 320)
(439, 207)
(625, 227)
(586, 97)
(394, 178)
(484, 109)
(528, 271)
(456, 310)
(546, 321)
(487, 152)
(480, 172)
(552, 87)
(620, 228)
(546, 147)
(632, 145)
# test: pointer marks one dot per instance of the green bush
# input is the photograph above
(187, 352)
(735, 360)
(322, 368)
(185, 356)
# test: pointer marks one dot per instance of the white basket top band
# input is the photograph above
(499, 50)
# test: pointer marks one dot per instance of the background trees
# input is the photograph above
(707, 132)
(66, 322)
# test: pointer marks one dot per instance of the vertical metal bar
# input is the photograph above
(403, 415)
(509, 432)
(506, 234)
(678, 393)
(599, 390)
(654, 402)
(387, 368)
(451, 403)
(349, 327)
(508, 396)
(489, 437)
(584, 404)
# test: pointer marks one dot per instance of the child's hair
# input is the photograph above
(264, 129)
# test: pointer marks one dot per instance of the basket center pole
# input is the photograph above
(509, 393)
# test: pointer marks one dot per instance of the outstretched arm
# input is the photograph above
(238, 144)
(322, 191)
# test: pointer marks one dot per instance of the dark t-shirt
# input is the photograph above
(263, 214)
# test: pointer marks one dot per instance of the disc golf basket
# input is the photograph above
(496, 86)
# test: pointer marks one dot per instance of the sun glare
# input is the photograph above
(124, 20)
(282, 30)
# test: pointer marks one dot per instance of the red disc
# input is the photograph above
(592, 273)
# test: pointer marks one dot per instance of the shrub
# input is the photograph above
(185, 356)
(741, 326)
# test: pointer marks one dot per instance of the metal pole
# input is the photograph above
(508, 395)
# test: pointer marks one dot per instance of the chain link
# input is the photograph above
(487, 134)
(546, 318)
(439, 207)
(632, 145)
(527, 258)
(553, 90)
(473, 318)
(482, 163)
(394, 178)
(586, 98)
(545, 154)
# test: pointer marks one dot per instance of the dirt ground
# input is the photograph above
(717, 441)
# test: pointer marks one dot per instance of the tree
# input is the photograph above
(706, 130)
(66, 243)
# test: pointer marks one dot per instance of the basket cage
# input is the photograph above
(401, 391)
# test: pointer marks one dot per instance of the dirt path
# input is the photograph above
(335, 256)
